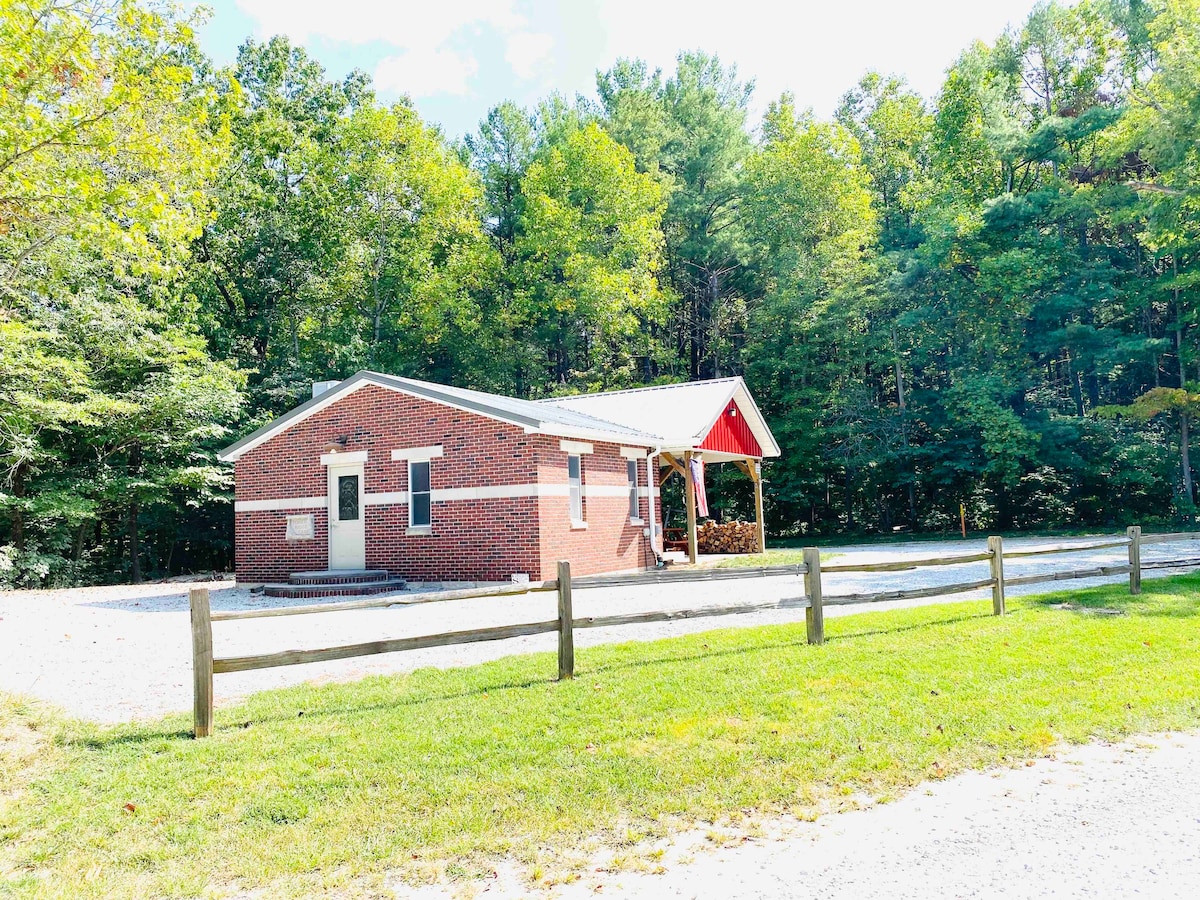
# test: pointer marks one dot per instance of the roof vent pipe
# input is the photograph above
(320, 387)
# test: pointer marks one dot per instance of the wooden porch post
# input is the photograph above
(755, 468)
(689, 490)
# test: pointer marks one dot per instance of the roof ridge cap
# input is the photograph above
(643, 388)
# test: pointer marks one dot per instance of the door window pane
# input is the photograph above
(419, 513)
(575, 487)
(347, 498)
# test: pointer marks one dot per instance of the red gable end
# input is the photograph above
(731, 434)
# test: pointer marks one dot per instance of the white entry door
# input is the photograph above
(347, 534)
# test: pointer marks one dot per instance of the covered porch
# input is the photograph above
(682, 463)
(701, 423)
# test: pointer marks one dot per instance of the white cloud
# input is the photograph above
(816, 50)
(426, 35)
(526, 51)
(402, 23)
(426, 72)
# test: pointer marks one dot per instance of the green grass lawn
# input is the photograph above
(326, 788)
(775, 556)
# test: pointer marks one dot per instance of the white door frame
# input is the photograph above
(347, 540)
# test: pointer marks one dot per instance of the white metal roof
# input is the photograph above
(533, 417)
(672, 417)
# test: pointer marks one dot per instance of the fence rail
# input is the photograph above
(813, 602)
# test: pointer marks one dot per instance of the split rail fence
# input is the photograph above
(813, 601)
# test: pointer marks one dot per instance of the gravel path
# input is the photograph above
(123, 652)
(1099, 821)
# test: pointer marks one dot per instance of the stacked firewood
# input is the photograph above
(727, 537)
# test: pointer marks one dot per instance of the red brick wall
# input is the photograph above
(610, 542)
(472, 539)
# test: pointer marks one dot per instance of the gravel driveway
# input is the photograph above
(1099, 821)
(123, 652)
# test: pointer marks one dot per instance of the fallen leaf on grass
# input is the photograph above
(130, 807)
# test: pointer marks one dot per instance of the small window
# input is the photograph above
(575, 488)
(418, 494)
(347, 498)
(631, 469)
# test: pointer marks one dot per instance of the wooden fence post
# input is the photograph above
(566, 630)
(1134, 533)
(202, 660)
(814, 616)
(995, 545)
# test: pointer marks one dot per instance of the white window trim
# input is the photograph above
(637, 453)
(413, 527)
(575, 448)
(341, 459)
(417, 454)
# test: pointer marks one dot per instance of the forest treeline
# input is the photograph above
(985, 297)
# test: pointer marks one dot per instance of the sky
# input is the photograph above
(458, 58)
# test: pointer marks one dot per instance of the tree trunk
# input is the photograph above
(1178, 323)
(714, 300)
(135, 563)
(18, 514)
(849, 487)
(1185, 460)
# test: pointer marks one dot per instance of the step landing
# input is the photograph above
(338, 576)
(336, 583)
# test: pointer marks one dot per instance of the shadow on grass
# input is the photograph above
(93, 742)
(289, 709)
(1173, 598)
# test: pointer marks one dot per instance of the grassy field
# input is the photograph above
(775, 556)
(329, 788)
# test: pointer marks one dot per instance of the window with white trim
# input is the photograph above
(632, 473)
(418, 494)
(575, 488)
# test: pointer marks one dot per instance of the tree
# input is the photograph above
(106, 138)
(808, 209)
(414, 259)
(590, 249)
(689, 131)
(263, 264)
(109, 138)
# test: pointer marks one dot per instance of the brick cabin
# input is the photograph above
(432, 483)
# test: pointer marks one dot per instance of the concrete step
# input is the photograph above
(339, 576)
(344, 589)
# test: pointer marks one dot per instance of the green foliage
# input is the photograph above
(986, 297)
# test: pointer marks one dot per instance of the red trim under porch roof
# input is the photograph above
(731, 434)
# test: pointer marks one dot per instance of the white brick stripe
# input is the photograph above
(280, 504)
(445, 495)
(606, 490)
(386, 498)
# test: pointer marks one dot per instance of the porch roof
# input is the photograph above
(683, 415)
